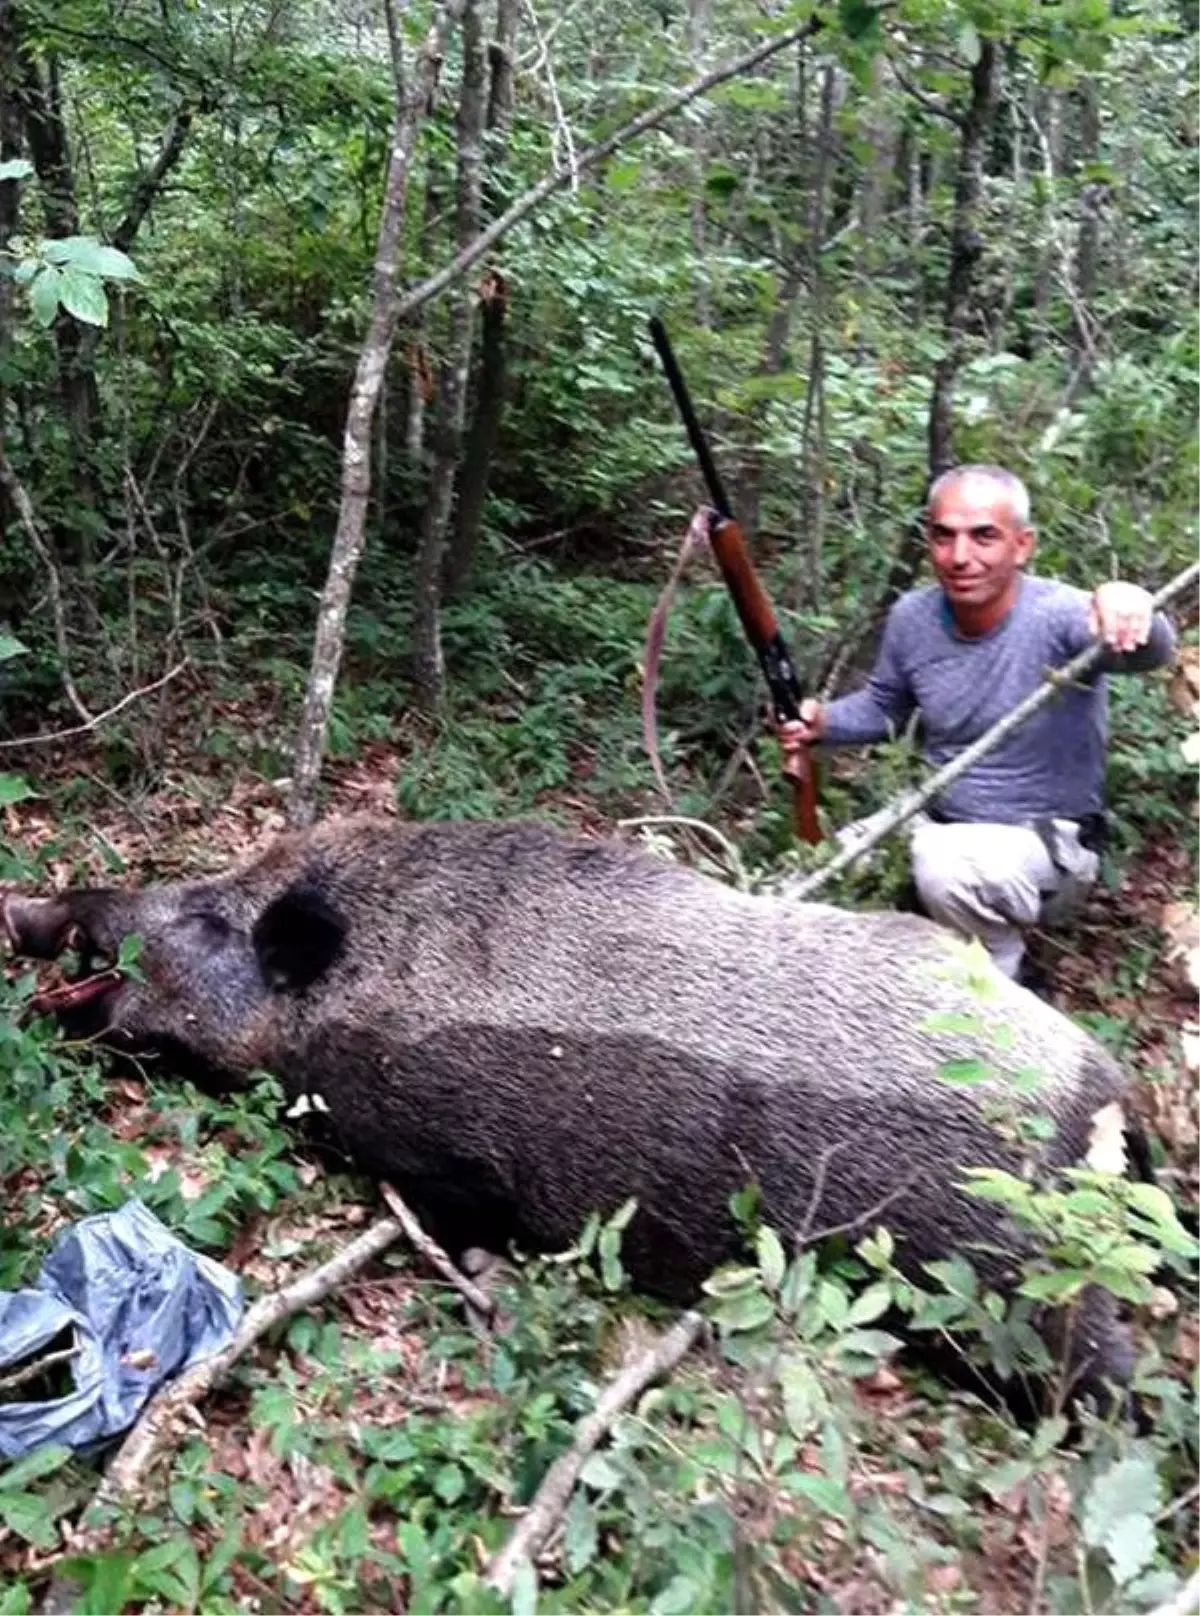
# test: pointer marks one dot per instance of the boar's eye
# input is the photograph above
(297, 938)
(214, 928)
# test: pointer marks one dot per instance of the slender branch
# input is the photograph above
(562, 125)
(148, 185)
(433, 1254)
(557, 1485)
(924, 99)
(913, 801)
(36, 1369)
(718, 836)
(98, 718)
(589, 157)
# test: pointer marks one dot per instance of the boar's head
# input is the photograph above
(217, 959)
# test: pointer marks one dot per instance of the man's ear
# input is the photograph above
(1026, 545)
(298, 938)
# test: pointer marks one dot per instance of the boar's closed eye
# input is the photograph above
(297, 938)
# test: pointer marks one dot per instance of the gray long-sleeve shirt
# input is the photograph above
(1053, 766)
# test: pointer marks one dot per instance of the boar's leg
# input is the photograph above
(298, 938)
(37, 927)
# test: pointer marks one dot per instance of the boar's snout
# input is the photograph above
(37, 927)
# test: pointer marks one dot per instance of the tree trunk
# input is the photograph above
(46, 134)
(1049, 115)
(699, 23)
(429, 674)
(882, 136)
(419, 372)
(1087, 247)
(483, 436)
(356, 442)
(484, 433)
(10, 202)
(965, 248)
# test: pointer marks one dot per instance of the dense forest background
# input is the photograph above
(330, 429)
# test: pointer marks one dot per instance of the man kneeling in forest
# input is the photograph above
(1016, 840)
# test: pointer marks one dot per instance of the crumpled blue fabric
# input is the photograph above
(125, 1285)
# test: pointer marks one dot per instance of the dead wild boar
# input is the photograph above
(519, 1026)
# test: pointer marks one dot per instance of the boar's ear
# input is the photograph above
(297, 938)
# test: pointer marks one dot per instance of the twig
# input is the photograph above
(33, 1371)
(554, 1493)
(433, 1254)
(28, 516)
(562, 126)
(1185, 1603)
(722, 841)
(913, 801)
(95, 719)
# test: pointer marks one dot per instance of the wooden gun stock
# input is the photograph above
(753, 606)
(762, 630)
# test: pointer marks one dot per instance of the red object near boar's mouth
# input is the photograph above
(73, 995)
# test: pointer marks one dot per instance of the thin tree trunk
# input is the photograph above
(1087, 248)
(484, 432)
(420, 376)
(10, 202)
(46, 133)
(699, 23)
(1049, 115)
(965, 249)
(356, 442)
(882, 136)
(429, 674)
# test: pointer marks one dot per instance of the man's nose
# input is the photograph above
(960, 550)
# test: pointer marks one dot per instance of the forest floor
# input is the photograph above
(1123, 965)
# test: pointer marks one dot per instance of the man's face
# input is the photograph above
(976, 546)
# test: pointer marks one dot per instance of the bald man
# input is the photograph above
(1016, 841)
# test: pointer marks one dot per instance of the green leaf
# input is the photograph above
(525, 1590)
(772, 1260)
(1118, 1515)
(1056, 1286)
(83, 295)
(969, 47)
(961, 1023)
(677, 1598)
(580, 1533)
(747, 1311)
(43, 295)
(16, 168)
(858, 18)
(600, 1472)
(94, 258)
(10, 647)
(449, 1483)
(965, 1073)
(43, 1461)
(873, 1302)
(828, 1495)
(14, 788)
(29, 1517)
(804, 1400)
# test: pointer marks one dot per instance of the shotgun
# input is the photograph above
(749, 597)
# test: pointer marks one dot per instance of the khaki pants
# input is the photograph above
(995, 881)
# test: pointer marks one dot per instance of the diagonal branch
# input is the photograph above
(590, 156)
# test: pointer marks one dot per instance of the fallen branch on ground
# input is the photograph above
(554, 1494)
(913, 801)
(99, 718)
(474, 1296)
